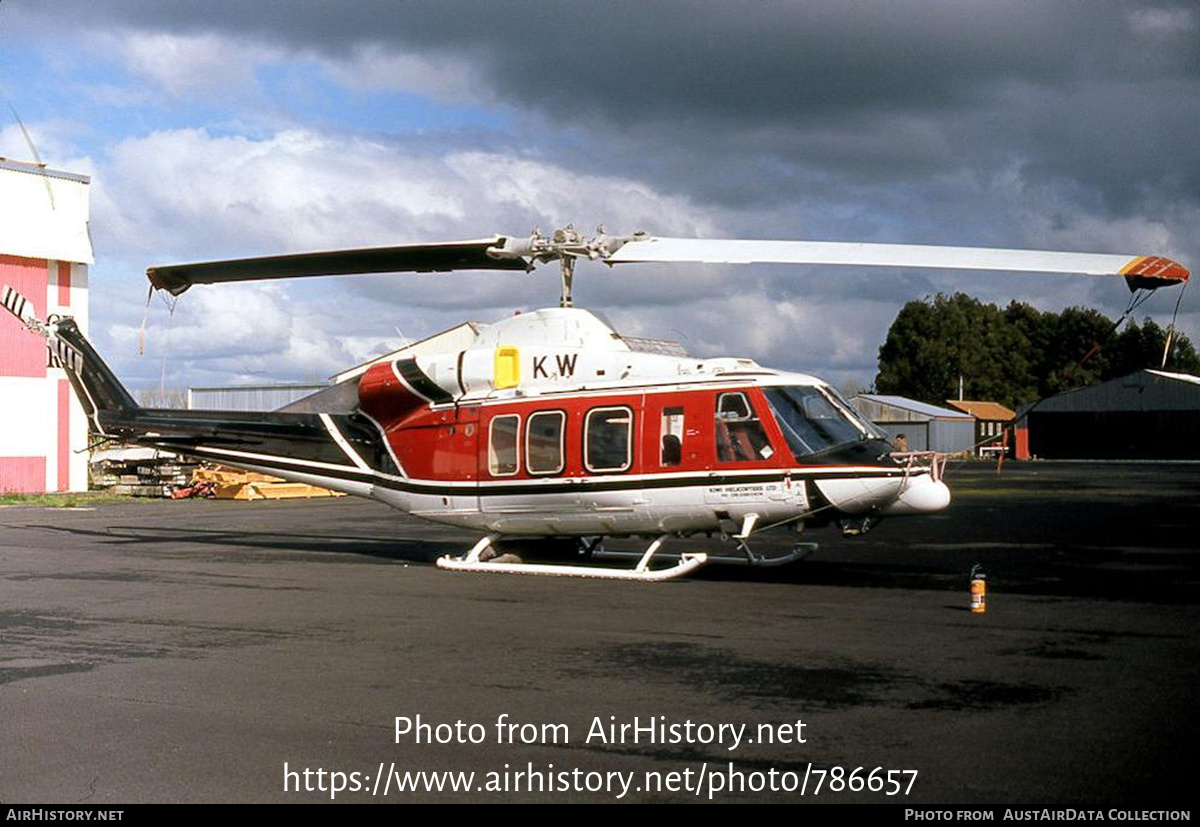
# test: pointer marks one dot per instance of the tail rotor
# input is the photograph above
(15, 303)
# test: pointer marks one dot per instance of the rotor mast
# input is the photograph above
(567, 265)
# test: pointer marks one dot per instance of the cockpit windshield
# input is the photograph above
(815, 419)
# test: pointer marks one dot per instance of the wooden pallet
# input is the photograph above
(232, 484)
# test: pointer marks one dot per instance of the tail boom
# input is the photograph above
(346, 450)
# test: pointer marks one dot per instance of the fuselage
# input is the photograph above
(551, 424)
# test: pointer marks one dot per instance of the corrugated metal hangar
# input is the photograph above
(248, 397)
(1150, 414)
(44, 253)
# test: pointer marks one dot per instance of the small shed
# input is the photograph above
(1151, 414)
(925, 427)
(991, 418)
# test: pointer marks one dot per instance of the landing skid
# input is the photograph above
(642, 572)
(478, 560)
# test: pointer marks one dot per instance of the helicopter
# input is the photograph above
(551, 426)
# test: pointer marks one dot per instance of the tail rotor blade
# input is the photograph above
(18, 305)
(22, 308)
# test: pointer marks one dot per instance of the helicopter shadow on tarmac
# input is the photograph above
(260, 545)
(263, 545)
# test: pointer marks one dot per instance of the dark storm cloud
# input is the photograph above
(757, 103)
(769, 61)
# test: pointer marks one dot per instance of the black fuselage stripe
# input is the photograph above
(574, 485)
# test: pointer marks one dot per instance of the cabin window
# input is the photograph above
(502, 445)
(607, 439)
(544, 442)
(740, 436)
(671, 437)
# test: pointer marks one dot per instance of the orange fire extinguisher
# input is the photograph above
(978, 590)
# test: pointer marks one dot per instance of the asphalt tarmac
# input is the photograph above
(188, 651)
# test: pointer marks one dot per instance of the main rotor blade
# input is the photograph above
(1141, 271)
(409, 258)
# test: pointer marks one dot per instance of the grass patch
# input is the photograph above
(73, 500)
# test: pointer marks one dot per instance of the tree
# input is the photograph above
(1015, 355)
(1076, 353)
(934, 342)
(1143, 346)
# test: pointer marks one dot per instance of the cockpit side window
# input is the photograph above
(813, 421)
(740, 434)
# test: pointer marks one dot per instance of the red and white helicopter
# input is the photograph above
(551, 425)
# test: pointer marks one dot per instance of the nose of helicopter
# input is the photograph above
(920, 495)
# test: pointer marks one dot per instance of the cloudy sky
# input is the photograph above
(227, 128)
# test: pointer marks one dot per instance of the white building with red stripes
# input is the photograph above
(45, 251)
